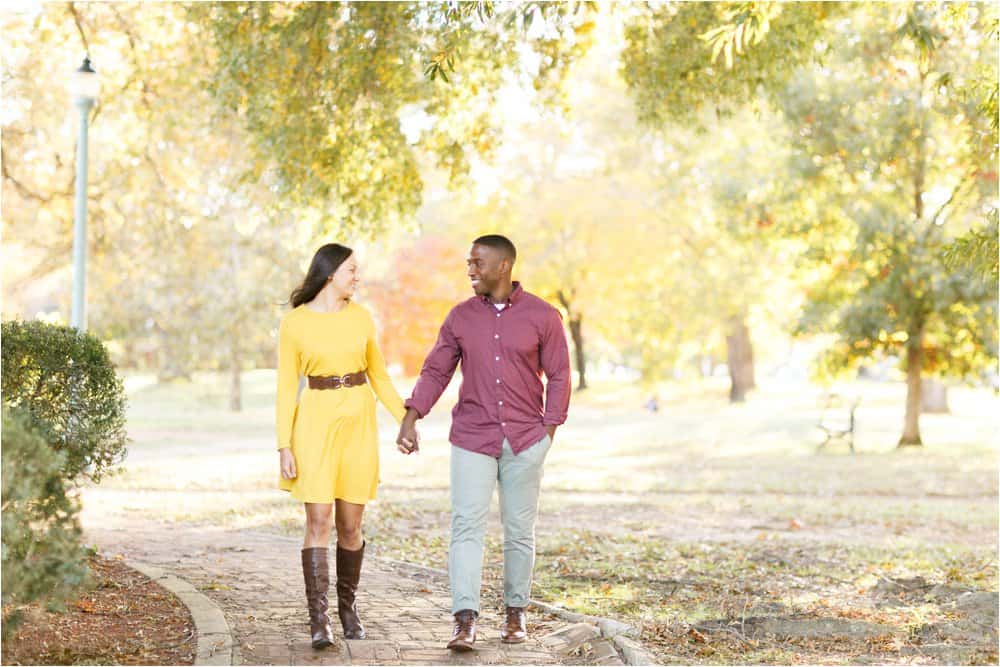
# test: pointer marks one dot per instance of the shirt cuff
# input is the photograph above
(410, 403)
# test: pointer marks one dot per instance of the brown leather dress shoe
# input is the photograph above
(464, 635)
(515, 630)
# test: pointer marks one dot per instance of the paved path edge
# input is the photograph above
(215, 640)
(632, 652)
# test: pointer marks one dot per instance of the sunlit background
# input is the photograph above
(756, 229)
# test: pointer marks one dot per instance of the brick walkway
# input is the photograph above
(256, 579)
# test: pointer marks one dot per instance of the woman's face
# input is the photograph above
(345, 278)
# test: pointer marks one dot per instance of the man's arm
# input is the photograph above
(408, 440)
(436, 373)
(555, 364)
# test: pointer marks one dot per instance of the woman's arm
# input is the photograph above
(288, 384)
(379, 377)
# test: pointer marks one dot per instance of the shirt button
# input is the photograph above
(497, 358)
(498, 314)
(496, 336)
(500, 403)
(498, 380)
(503, 423)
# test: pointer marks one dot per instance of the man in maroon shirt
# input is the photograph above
(501, 427)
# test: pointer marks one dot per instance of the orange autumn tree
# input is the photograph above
(427, 281)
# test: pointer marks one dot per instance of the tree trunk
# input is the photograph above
(915, 342)
(933, 397)
(576, 332)
(739, 356)
(235, 358)
(128, 352)
(169, 367)
(235, 385)
(914, 366)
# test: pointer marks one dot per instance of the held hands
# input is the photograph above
(288, 470)
(408, 440)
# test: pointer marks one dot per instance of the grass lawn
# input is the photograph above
(703, 513)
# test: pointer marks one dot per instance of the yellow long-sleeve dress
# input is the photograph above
(331, 432)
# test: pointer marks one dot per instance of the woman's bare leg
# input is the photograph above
(319, 524)
(349, 525)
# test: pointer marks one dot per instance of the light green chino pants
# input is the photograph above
(473, 478)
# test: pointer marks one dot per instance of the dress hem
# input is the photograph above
(329, 501)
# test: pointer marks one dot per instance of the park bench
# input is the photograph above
(837, 420)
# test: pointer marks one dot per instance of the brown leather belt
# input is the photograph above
(337, 381)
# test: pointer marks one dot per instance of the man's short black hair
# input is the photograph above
(501, 243)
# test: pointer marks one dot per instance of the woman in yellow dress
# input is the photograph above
(327, 440)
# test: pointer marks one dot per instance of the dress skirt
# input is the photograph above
(335, 445)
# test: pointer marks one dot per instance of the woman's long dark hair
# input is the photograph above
(324, 263)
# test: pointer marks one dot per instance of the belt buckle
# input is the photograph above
(345, 380)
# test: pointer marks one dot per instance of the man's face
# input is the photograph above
(485, 267)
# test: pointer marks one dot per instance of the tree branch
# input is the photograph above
(23, 189)
(79, 26)
(965, 179)
(561, 295)
(969, 175)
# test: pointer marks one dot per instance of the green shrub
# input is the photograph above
(66, 381)
(42, 557)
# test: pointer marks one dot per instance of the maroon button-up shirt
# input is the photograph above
(503, 355)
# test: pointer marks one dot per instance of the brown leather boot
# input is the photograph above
(515, 630)
(463, 637)
(348, 576)
(316, 572)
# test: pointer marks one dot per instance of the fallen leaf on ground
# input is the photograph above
(697, 636)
